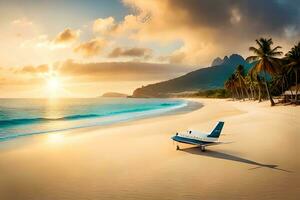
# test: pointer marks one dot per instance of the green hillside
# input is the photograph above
(201, 79)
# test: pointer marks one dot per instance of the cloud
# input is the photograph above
(21, 28)
(104, 25)
(91, 48)
(84, 79)
(22, 76)
(67, 36)
(22, 22)
(34, 69)
(91, 72)
(120, 71)
(110, 27)
(177, 57)
(269, 17)
(64, 39)
(131, 52)
(214, 28)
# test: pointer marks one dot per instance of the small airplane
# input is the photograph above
(201, 139)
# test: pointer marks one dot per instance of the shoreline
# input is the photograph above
(138, 160)
(181, 109)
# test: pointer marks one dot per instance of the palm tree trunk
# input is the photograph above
(254, 92)
(259, 93)
(231, 93)
(247, 92)
(242, 92)
(237, 92)
(284, 83)
(296, 73)
(251, 91)
(268, 91)
(291, 90)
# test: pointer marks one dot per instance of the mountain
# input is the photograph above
(202, 79)
(217, 61)
(114, 94)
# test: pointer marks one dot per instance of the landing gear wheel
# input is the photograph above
(202, 148)
(177, 147)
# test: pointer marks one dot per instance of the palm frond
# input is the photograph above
(270, 41)
(252, 58)
(255, 50)
(276, 48)
(271, 66)
(275, 52)
(258, 67)
(258, 42)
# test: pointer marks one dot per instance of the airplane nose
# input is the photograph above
(173, 137)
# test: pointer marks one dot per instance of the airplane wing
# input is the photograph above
(216, 143)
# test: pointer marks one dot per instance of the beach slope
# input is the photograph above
(137, 160)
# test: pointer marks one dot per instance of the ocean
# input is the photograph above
(23, 117)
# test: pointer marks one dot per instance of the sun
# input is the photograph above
(53, 84)
(53, 87)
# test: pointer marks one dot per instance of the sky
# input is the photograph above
(76, 48)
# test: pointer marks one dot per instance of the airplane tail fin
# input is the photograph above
(215, 133)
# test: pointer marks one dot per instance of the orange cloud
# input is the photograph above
(67, 36)
(89, 72)
(30, 81)
(91, 48)
(119, 71)
(104, 25)
(212, 28)
(177, 57)
(175, 26)
(109, 26)
(64, 39)
(131, 52)
(34, 69)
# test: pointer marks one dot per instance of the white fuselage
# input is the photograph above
(195, 135)
(198, 138)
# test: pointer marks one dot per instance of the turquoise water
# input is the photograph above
(21, 117)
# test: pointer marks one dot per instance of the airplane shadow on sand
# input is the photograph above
(224, 156)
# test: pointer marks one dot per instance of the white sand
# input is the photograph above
(137, 160)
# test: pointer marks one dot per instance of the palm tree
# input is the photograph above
(239, 74)
(280, 79)
(257, 82)
(260, 81)
(293, 58)
(236, 86)
(231, 86)
(250, 83)
(266, 61)
(228, 85)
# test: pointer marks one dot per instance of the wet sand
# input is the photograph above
(137, 160)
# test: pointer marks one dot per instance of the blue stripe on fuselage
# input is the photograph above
(188, 140)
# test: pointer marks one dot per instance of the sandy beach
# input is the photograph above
(138, 160)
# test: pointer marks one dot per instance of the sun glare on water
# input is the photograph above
(55, 138)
